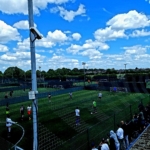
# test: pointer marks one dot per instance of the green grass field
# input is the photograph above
(57, 119)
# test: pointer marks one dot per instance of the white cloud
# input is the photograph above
(23, 24)
(108, 34)
(92, 54)
(58, 61)
(130, 20)
(139, 33)
(19, 59)
(136, 50)
(69, 15)
(148, 1)
(20, 6)
(74, 49)
(3, 48)
(57, 36)
(76, 36)
(89, 44)
(8, 33)
(52, 39)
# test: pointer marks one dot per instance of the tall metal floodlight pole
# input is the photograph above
(83, 63)
(40, 71)
(125, 67)
(34, 34)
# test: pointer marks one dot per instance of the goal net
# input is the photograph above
(118, 89)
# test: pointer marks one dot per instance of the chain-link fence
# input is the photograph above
(20, 99)
(83, 140)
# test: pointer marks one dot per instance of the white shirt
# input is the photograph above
(100, 95)
(77, 112)
(104, 147)
(29, 108)
(120, 133)
(94, 149)
(9, 122)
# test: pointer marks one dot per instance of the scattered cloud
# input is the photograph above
(105, 10)
(109, 34)
(87, 47)
(8, 33)
(3, 48)
(17, 6)
(69, 15)
(130, 20)
(93, 54)
(148, 1)
(139, 33)
(23, 24)
(137, 49)
(76, 36)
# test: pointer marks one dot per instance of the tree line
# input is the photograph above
(18, 73)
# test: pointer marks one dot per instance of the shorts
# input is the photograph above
(22, 112)
(29, 112)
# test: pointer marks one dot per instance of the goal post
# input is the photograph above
(118, 89)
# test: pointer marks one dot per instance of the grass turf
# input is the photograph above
(54, 116)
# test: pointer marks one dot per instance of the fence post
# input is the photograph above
(114, 121)
(88, 139)
(131, 111)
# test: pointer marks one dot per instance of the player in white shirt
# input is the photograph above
(29, 111)
(9, 123)
(77, 114)
(99, 95)
(70, 95)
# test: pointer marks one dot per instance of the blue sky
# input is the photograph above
(101, 33)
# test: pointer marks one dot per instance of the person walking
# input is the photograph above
(9, 123)
(29, 111)
(49, 97)
(70, 95)
(77, 114)
(7, 109)
(100, 95)
(22, 112)
(94, 107)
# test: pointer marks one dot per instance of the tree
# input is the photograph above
(14, 72)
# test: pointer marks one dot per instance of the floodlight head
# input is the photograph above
(83, 63)
(36, 33)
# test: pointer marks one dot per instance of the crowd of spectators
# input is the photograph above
(126, 132)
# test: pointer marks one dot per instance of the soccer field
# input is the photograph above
(57, 118)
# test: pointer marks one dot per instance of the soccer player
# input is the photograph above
(22, 112)
(77, 113)
(29, 111)
(99, 95)
(7, 109)
(94, 107)
(70, 95)
(49, 97)
(9, 123)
